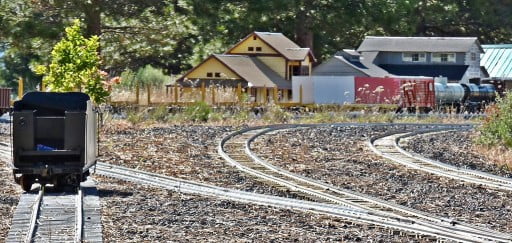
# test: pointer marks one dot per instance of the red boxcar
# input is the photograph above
(5, 100)
(370, 90)
(417, 93)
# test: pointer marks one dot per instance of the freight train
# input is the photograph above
(427, 95)
(54, 137)
(408, 93)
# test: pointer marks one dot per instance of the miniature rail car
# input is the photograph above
(5, 100)
(54, 139)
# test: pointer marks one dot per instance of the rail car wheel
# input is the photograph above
(26, 182)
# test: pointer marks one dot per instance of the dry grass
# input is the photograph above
(498, 155)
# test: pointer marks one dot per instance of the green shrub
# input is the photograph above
(497, 128)
(135, 117)
(160, 113)
(216, 117)
(275, 113)
(144, 76)
(199, 111)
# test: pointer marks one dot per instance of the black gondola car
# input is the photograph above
(54, 138)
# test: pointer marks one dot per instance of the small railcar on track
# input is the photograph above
(54, 138)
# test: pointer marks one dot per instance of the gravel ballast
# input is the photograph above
(456, 148)
(133, 213)
(340, 156)
(9, 191)
(186, 152)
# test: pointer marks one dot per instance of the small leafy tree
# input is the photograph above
(75, 65)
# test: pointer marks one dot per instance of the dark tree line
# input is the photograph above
(176, 34)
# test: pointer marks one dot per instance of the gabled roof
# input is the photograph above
(418, 44)
(497, 59)
(250, 69)
(282, 45)
(367, 68)
(452, 72)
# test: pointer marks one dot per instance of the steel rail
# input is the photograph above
(79, 218)
(362, 216)
(402, 211)
(35, 212)
(388, 147)
(34, 216)
(464, 229)
(502, 182)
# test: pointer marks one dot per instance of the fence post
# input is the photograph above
(137, 92)
(175, 93)
(203, 92)
(149, 94)
(275, 94)
(213, 94)
(239, 92)
(20, 88)
(300, 95)
(264, 100)
(249, 93)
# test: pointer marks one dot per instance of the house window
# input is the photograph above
(414, 57)
(217, 75)
(254, 37)
(250, 48)
(209, 75)
(443, 57)
(258, 48)
(473, 56)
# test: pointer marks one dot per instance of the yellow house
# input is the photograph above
(260, 60)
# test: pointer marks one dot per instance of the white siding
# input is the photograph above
(333, 90)
(324, 89)
(473, 70)
(307, 89)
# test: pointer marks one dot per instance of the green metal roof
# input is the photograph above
(497, 59)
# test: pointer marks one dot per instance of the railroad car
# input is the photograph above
(408, 93)
(472, 96)
(54, 139)
(5, 100)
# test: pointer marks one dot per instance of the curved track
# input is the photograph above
(400, 224)
(351, 206)
(235, 148)
(388, 146)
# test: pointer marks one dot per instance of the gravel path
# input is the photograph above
(9, 191)
(456, 149)
(340, 156)
(187, 152)
(149, 214)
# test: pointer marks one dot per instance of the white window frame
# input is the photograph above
(444, 57)
(411, 56)
(473, 56)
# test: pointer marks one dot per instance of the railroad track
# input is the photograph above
(352, 207)
(393, 224)
(46, 216)
(388, 146)
(235, 148)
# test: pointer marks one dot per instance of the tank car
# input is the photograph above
(54, 139)
(470, 95)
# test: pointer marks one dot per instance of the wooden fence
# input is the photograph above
(213, 95)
